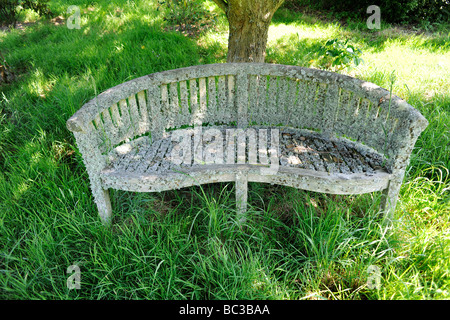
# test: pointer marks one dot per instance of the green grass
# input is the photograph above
(186, 244)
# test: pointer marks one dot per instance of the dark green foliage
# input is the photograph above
(10, 9)
(411, 11)
(187, 16)
(7, 11)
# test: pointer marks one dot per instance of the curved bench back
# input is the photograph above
(247, 94)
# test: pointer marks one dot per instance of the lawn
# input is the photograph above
(186, 244)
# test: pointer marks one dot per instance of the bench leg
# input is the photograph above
(390, 197)
(241, 196)
(101, 198)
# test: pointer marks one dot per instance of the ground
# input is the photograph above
(185, 244)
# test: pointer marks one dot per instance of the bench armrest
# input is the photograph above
(411, 123)
(89, 111)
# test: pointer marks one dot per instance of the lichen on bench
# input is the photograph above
(300, 127)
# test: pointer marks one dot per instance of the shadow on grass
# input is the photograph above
(59, 69)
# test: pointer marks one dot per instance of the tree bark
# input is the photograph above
(249, 22)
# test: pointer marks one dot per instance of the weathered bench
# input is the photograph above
(287, 125)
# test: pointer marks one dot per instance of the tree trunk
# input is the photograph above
(249, 22)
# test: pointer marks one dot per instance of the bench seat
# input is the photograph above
(307, 160)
